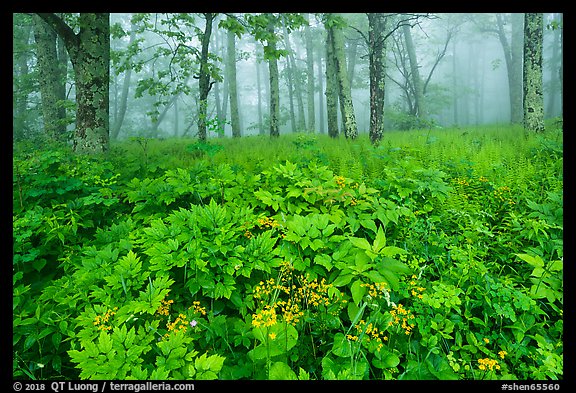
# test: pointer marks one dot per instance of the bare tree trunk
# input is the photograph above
(274, 98)
(117, 124)
(204, 77)
(376, 55)
(513, 57)
(454, 85)
(50, 80)
(231, 65)
(20, 98)
(555, 64)
(294, 80)
(274, 82)
(348, 115)
(310, 78)
(415, 72)
(89, 52)
(532, 75)
(320, 94)
(331, 89)
(289, 82)
(259, 88)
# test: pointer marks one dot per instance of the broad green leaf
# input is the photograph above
(342, 347)
(281, 371)
(390, 264)
(274, 340)
(38, 264)
(342, 279)
(391, 251)
(379, 241)
(535, 261)
(369, 224)
(358, 291)
(355, 313)
(386, 359)
(391, 279)
(556, 266)
(324, 260)
(361, 243)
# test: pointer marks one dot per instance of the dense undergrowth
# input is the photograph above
(436, 255)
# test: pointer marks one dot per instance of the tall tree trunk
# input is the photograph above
(20, 98)
(376, 55)
(89, 52)
(63, 59)
(310, 77)
(532, 75)
(554, 68)
(516, 44)
(415, 73)
(176, 119)
(290, 85)
(455, 94)
(274, 98)
(274, 79)
(231, 65)
(204, 77)
(218, 103)
(561, 70)
(513, 58)
(259, 88)
(294, 80)
(352, 52)
(479, 85)
(320, 95)
(348, 115)
(50, 80)
(121, 114)
(225, 101)
(331, 89)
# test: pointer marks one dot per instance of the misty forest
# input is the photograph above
(293, 196)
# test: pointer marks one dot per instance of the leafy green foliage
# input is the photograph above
(309, 259)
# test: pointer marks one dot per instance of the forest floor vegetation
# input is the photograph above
(436, 255)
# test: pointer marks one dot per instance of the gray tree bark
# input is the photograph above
(89, 52)
(310, 78)
(204, 77)
(415, 73)
(513, 58)
(376, 55)
(232, 85)
(123, 107)
(51, 81)
(532, 75)
(348, 115)
(331, 89)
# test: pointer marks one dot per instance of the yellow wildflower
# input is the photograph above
(489, 364)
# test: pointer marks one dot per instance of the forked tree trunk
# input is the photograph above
(89, 52)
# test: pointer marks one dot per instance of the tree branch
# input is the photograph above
(438, 58)
(64, 31)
